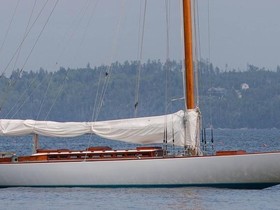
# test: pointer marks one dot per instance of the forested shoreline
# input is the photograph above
(228, 99)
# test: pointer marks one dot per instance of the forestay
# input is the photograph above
(181, 126)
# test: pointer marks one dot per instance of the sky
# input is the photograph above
(233, 33)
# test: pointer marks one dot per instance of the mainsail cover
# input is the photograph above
(181, 128)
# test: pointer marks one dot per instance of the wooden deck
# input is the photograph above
(90, 154)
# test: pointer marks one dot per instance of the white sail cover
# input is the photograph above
(181, 126)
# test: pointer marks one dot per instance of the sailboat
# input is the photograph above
(144, 166)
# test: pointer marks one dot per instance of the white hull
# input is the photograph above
(250, 170)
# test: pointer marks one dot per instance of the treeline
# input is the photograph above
(227, 99)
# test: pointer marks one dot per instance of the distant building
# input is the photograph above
(244, 86)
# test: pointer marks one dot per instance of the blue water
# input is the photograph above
(145, 198)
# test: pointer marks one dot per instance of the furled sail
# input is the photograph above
(181, 128)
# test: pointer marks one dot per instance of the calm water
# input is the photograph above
(145, 198)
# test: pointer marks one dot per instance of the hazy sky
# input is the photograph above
(101, 32)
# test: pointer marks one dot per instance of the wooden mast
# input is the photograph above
(188, 61)
(188, 49)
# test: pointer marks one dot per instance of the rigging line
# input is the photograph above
(173, 136)
(96, 96)
(167, 12)
(209, 37)
(40, 34)
(108, 72)
(73, 28)
(198, 73)
(58, 93)
(40, 108)
(9, 26)
(6, 93)
(62, 85)
(83, 38)
(14, 82)
(209, 62)
(198, 29)
(137, 89)
(15, 53)
(10, 85)
(94, 110)
(26, 29)
(167, 19)
(26, 99)
(139, 30)
(87, 25)
(195, 59)
(15, 104)
(196, 48)
(199, 83)
(83, 9)
(22, 95)
(98, 106)
(84, 34)
(45, 95)
(182, 48)
(138, 50)
(103, 91)
(76, 52)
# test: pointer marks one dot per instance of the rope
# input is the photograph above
(209, 63)
(44, 98)
(92, 115)
(26, 99)
(139, 31)
(82, 11)
(167, 12)
(58, 93)
(32, 83)
(182, 48)
(89, 20)
(73, 28)
(15, 53)
(11, 83)
(198, 29)
(97, 107)
(6, 93)
(108, 71)
(196, 48)
(26, 29)
(40, 34)
(103, 91)
(9, 26)
(19, 48)
(138, 79)
(96, 97)
(167, 20)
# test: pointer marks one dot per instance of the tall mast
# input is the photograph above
(188, 49)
